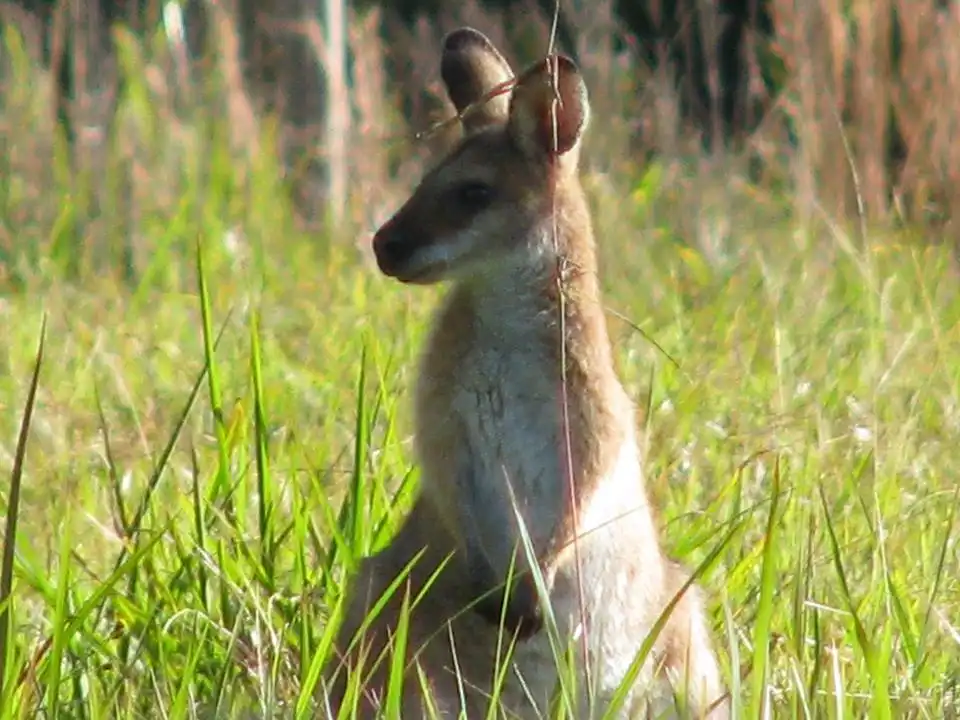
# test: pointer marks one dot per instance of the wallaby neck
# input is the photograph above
(548, 288)
(542, 324)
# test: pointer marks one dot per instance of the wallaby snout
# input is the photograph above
(395, 248)
(392, 250)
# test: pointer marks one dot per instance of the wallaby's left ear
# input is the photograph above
(471, 67)
(549, 110)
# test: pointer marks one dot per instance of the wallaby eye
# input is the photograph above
(474, 195)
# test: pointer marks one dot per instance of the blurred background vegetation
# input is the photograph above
(849, 109)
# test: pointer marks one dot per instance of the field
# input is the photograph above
(213, 444)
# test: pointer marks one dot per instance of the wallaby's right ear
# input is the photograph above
(471, 67)
(549, 110)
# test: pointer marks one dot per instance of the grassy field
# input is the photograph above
(213, 445)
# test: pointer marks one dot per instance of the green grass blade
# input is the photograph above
(355, 517)
(61, 636)
(222, 480)
(264, 482)
(768, 589)
(203, 587)
(187, 678)
(13, 514)
(863, 640)
(395, 678)
(937, 579)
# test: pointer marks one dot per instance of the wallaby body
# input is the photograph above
(519, 413)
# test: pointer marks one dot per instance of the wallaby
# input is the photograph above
(521, 422)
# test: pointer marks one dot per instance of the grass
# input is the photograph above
(212, 448)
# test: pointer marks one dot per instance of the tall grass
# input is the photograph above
(213, 440)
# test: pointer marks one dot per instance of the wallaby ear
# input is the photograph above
(471, 67)
(550, 89)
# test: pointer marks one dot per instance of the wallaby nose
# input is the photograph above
(391, 250)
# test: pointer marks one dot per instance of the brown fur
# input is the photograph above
(518, 402)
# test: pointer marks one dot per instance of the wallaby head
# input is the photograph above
(483, 204)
